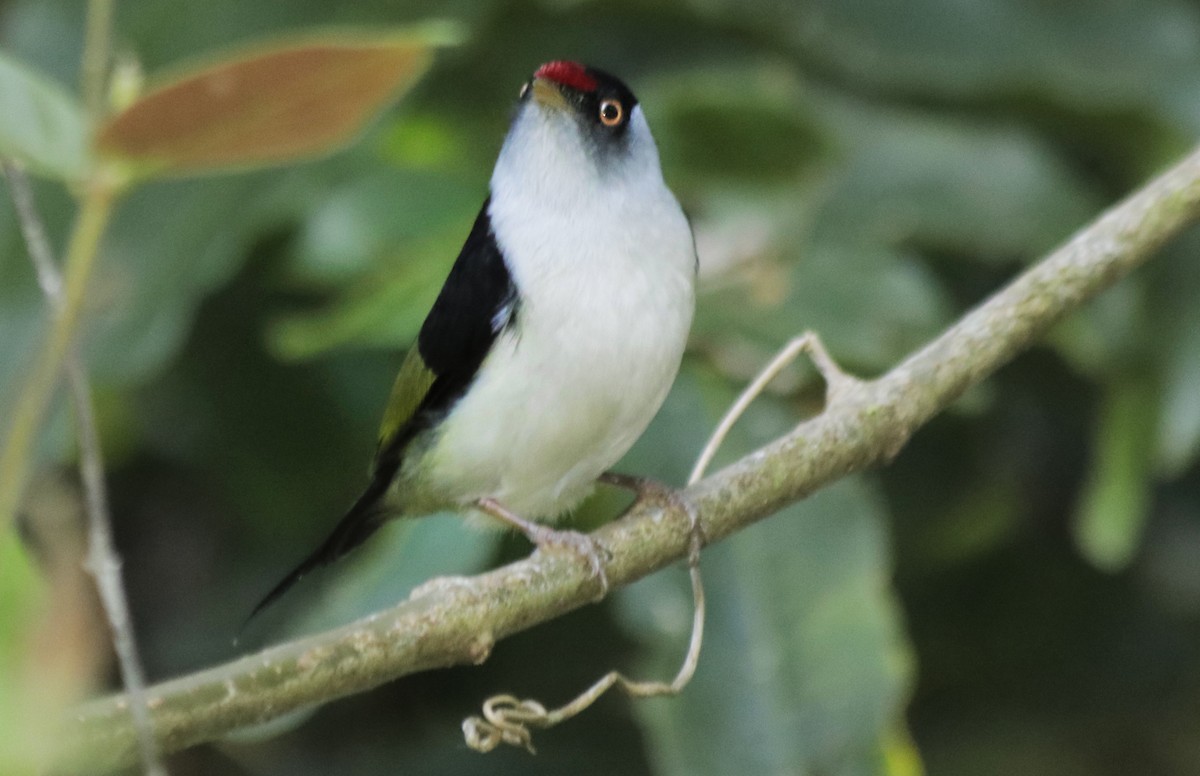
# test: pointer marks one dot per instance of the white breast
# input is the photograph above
(605, 279)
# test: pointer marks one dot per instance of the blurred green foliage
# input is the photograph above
(1019, 591)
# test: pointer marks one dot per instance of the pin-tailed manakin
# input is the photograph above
(556, 336)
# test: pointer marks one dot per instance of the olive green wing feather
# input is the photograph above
(408, 393)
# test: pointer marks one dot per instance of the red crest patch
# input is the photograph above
(569, 74)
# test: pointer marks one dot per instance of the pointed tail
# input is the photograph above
(362, 520)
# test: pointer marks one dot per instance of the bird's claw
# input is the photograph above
(546, 537)
(653, 491)
(582, 545)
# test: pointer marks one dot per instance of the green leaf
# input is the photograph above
(169, 245)
(1177, 336)
(41, 125)
(386, 310)
(854, 257)
(21, 594)
(805, 666)
(269, 105)
(1091, 56)
(989, 193)
(1112, 329)
(1179, 424)
(747, 124)
(23, 599)
(869, 303)
(1116, 496)
(377, 214)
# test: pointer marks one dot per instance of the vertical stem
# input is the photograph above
(94, 68)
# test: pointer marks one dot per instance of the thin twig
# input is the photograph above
(102, 559)
(507, 719)
(40, 252)
(808, 342)
(105, 565)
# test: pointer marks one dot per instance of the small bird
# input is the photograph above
(556, 336)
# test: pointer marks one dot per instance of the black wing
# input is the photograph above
(476, 303)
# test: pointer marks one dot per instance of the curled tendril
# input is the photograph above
(507, 719)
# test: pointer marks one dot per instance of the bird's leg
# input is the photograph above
(649, 489)
(546, 537)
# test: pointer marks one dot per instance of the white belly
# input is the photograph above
(568, 390)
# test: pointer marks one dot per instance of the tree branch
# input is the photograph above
(863, 423)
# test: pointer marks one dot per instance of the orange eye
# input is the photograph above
(611, 113)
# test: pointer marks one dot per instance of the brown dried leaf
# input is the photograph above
(267, 106)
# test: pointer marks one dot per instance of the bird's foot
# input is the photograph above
(547, 538)
(651, 490)
(582, 545)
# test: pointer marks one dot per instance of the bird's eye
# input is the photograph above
(611, 113)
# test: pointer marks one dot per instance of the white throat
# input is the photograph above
(546, 160)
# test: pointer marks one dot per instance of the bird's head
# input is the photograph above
(577, 126)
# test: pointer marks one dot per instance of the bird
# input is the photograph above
(555, 338)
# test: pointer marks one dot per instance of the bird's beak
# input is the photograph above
(548, 93)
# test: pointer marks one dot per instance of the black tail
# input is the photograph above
(362, 520)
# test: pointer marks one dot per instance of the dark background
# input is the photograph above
(1018, 592)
